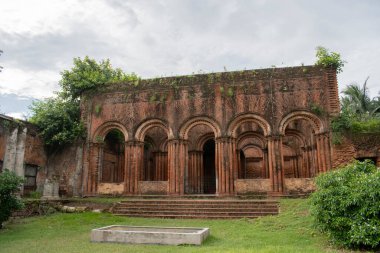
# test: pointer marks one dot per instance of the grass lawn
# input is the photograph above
(291, 231)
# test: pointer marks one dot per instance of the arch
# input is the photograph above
(151, 142)
(249, 117)
(248, 146)
(105, 128)
(148, 124)
(296, 134)
(201, 120)
(251, 134)
(312, 118)
(164, 146)
(203, 139)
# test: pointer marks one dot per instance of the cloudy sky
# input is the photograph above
(170, 37)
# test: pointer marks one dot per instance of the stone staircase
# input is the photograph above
(196, 208)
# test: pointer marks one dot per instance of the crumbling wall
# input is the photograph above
(65, 166)
(356, 146)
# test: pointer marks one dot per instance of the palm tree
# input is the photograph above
(358, 103)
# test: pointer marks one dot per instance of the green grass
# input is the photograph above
(291, 231)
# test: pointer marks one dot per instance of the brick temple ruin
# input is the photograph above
(231, 133)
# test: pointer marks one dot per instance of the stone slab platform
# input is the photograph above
(150, 235)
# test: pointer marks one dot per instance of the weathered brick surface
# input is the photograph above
(153, 187)
(245, 186)
(275, 109)
(225, 133)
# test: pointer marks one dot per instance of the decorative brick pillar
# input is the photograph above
(195, 172)
(276, 163)
(160, 161)
(320, 153)
(323, 151)
(265, 163)
(177, 166)
(327, 143)
(94, 166)
(226, 165)
(134, 154)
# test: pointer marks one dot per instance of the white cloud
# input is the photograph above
(154, 38)
(37, 84)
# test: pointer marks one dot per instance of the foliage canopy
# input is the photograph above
(58, 119)
(346, 205)
(9, 183)
(87, 74)
(359, 113)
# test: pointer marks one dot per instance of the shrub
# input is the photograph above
(9, 184)
(328, 59)
(346, 205)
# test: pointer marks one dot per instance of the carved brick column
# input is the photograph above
(134, 153)
(265, 163)
(94, 164)
(177, 166)
(195, 172)
(276, 163)
(160, 161)
(226, 165)
(326, 139)
(320, 153)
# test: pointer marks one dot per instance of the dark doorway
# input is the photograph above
(362, 159)
(209, 183)
(113, 158)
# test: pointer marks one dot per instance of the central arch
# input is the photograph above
(200, 134)
(209, 177)
(249, 117)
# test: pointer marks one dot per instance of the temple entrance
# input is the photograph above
(209, 179)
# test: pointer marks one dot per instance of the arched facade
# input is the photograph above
(224, 134)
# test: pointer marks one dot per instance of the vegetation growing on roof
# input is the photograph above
(328, 59)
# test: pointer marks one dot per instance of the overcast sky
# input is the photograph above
(170, 37)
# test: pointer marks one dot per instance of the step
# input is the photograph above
(198, 208)
(123, 209)
(180, 216)
(258, 201)
(200, 204)
(196, 213)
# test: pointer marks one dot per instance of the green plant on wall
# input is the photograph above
(230, 92)
(98, 110)
(153, 98)
(328, 59)
(99, 139)
(317, 109)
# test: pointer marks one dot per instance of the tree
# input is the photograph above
(9, 184)
(58, 119)
(358, 102)
(87, 74)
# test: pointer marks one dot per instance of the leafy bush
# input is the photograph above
(346, 205)
(328, 59)
(368, 126)
(9, 183)
(58, 121)
(35, 195)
